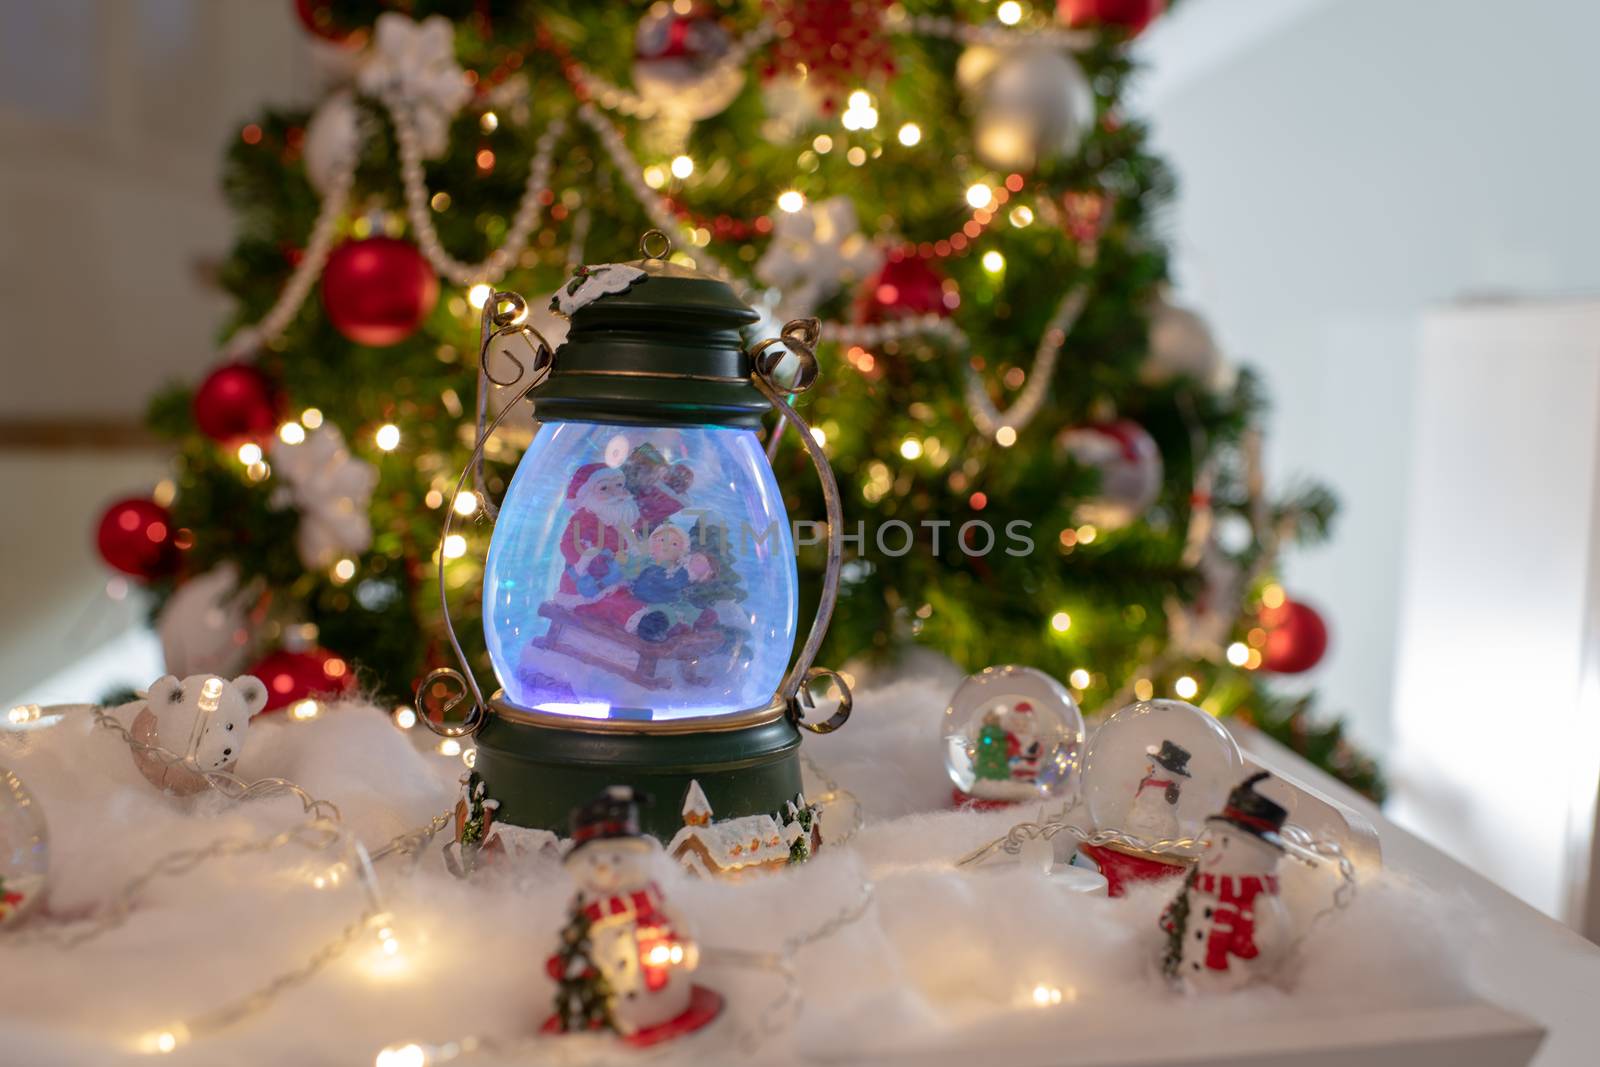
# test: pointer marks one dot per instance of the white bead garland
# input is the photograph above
(989, 419)
(502, 259)
(250, 338)
(989, 34)
(614, 97)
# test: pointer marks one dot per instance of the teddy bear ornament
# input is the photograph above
(202, 719)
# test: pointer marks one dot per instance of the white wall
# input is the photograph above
(1340, 173)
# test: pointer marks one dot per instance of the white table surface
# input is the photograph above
(1537, 967)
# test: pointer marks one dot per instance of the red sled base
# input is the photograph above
(1123, 869)
(966, 800)
(704, 1006)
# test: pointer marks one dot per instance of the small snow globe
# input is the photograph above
(24, 849)
(640, 593)
(1154, 770)
(1011, 734)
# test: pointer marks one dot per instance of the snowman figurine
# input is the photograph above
(1154, 813)
(1227, 926)
(625, 961)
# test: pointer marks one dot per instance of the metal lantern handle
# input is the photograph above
(799, 338)
(504, 313)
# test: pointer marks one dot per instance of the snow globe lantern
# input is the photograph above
(640, 595)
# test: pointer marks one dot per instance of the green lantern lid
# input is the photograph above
(651, 342)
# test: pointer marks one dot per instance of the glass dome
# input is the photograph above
(641, 574)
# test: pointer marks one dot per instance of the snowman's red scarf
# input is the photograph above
(641, 905)
(1150, 779)
(1233, 930)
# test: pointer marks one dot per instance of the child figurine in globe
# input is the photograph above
(1228, 927)
(624, 962)
(663, 584)
(1153, 815)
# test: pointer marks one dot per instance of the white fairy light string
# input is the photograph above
(321, 831)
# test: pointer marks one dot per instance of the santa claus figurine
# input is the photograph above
(625, 961)
(1228, 926)
(601, 532)
(1153, 815)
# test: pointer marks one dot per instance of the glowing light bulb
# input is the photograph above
(249, 453)
(1079, 678)
(682, 166)
(304, 710)
(993, 262)
(817, 435)
(1046, 995)
(344, 570)
(859, 99)
(791, 201)
(466, 504)
(1186, 687)
(1061, 622)
(164, 1040)
(1272, 596)
(910, 134)
(980, 195)
(1005, 436)
(292, 433)
(479, 295)
(470, 758)
(1238, 653)
(387, 437)
(1086, 534)
(911, 448)
(1021, 215)
(822, 143)
(455, 546)
(311, 418)
(402, 1056)
(654, 176)
(1009, 12)
(488, 122)
(1144, 689)
(449, 747)
(405, 718)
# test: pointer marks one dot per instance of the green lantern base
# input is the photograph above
(540, 771)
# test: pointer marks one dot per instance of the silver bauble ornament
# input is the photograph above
(680, 63)
(24, 849)
(1030, 104)
(1181, 346)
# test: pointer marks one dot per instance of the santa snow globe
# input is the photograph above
(1011, 734)
(640, 595)
(1152, 773)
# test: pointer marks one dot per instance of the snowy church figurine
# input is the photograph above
(625, 961)
(749, 843)
(1228, 926)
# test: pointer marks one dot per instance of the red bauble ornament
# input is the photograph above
(136, 537)
(840, 44)
(378, 290)
(294, 676)
(1297, 638)
(1131, 15)
(906, 285)
(317, 17)
(236, 401)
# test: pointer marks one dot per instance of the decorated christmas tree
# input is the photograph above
(990, 760)
(582, 999)
(1045, 461)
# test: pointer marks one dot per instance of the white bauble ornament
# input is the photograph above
(24, 849)
(1129, 462)
(1181, 346)
(1012, 734)
(333, 141)
(202, 719)
(681, 63)
(1030, 104)
(202, 626)
(331, 489)
(1155, 769)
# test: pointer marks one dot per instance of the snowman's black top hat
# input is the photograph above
(1253, 813)
(611, 815)
(1173, 757)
